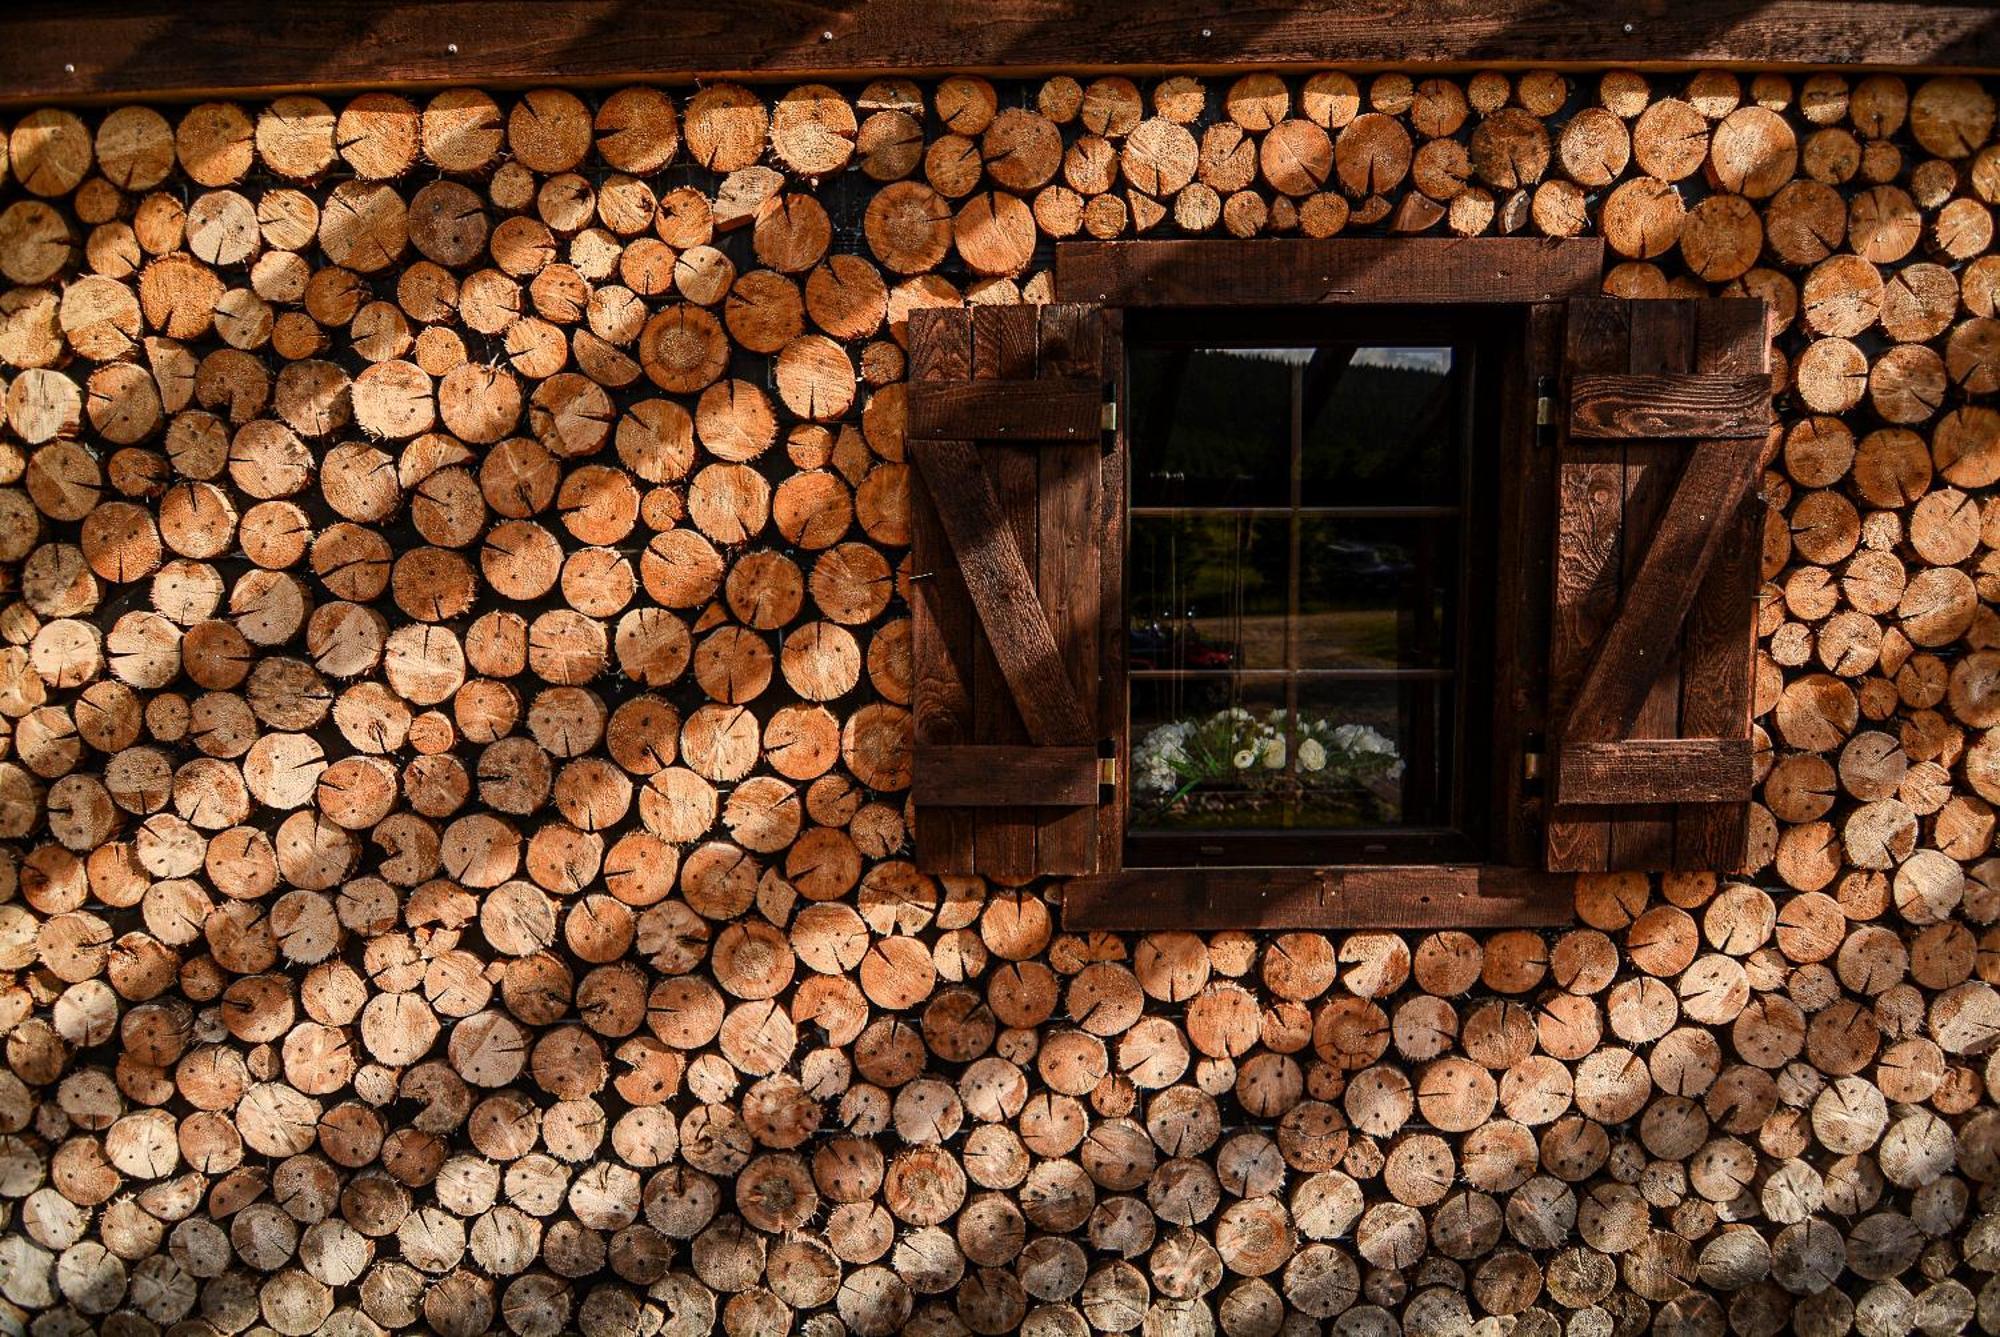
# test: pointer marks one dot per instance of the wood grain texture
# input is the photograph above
(1070, 352)
(990, 775)
(1524, 517)
(1036, 375)
(1680, 508)
(1002, 591)
(1058, 411)
(1469, 271)
(1589, 514)
(129, 49)
(1626, 406)
(1716, 657)
(1662, 343)
(1004, 481)
(1280, 898)
(941, 616)
(1656, 770)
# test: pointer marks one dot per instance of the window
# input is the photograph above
(1304, 588)
(1432, 502)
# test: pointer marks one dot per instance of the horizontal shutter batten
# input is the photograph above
(1629, 407)
(1656, 770)
(1065, 410)
(998, 775)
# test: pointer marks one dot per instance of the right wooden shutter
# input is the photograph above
(1668, 408)
(1017, 621)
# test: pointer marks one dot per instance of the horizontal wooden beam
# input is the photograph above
(57, 50)
(1364, 896)
(968, 775)
(1012, 411)
(1656, 770)
(1333, 270)
(1634, 407)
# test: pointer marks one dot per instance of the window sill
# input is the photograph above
(1353, 896)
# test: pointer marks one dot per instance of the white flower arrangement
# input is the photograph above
(1246, 749)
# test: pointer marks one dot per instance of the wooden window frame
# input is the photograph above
(1481, 462)
(1522, 281)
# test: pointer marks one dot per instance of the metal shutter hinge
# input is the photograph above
(1107, 770)
(1107, 416)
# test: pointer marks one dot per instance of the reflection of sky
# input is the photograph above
(1435, 360)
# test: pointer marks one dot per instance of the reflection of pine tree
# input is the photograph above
(1380, 430)
(1226, 417)
(1199, 567)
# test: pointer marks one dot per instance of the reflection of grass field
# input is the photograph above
(1347, 638)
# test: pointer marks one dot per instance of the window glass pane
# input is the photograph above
(1211, 426)
(1208, 592)
(1377, 594)
(1392, 738)
(1295, 672)
(1230, 756)
(1380, 428)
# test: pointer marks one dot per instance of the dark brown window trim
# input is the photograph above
(1385, 897)
(1522, 276)
(1343, 271)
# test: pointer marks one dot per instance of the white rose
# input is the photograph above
(1312, 756)
(1246, 758)
(1274, 755)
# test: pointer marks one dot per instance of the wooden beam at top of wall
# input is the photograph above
(62, 51)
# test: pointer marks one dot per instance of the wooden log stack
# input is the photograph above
(454, 681)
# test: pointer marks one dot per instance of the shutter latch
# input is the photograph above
(1107, 416)
(1107, 770)
(1545, 404)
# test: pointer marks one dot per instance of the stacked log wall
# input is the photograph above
(454, 681)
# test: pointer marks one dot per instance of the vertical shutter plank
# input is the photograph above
(941, 617)
(1662, 341)
(1716, 654)
(1590, 508)
(1003, 349)
(1070, 346)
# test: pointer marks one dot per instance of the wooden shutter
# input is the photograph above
(1656, 569)
(1017, 620)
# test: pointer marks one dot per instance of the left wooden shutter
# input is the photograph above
(1017, 617)
(1656, 564)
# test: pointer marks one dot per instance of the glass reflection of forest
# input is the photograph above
(1213, 428)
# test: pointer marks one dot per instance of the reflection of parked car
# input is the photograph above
(1156, 646)
(1343, 562)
